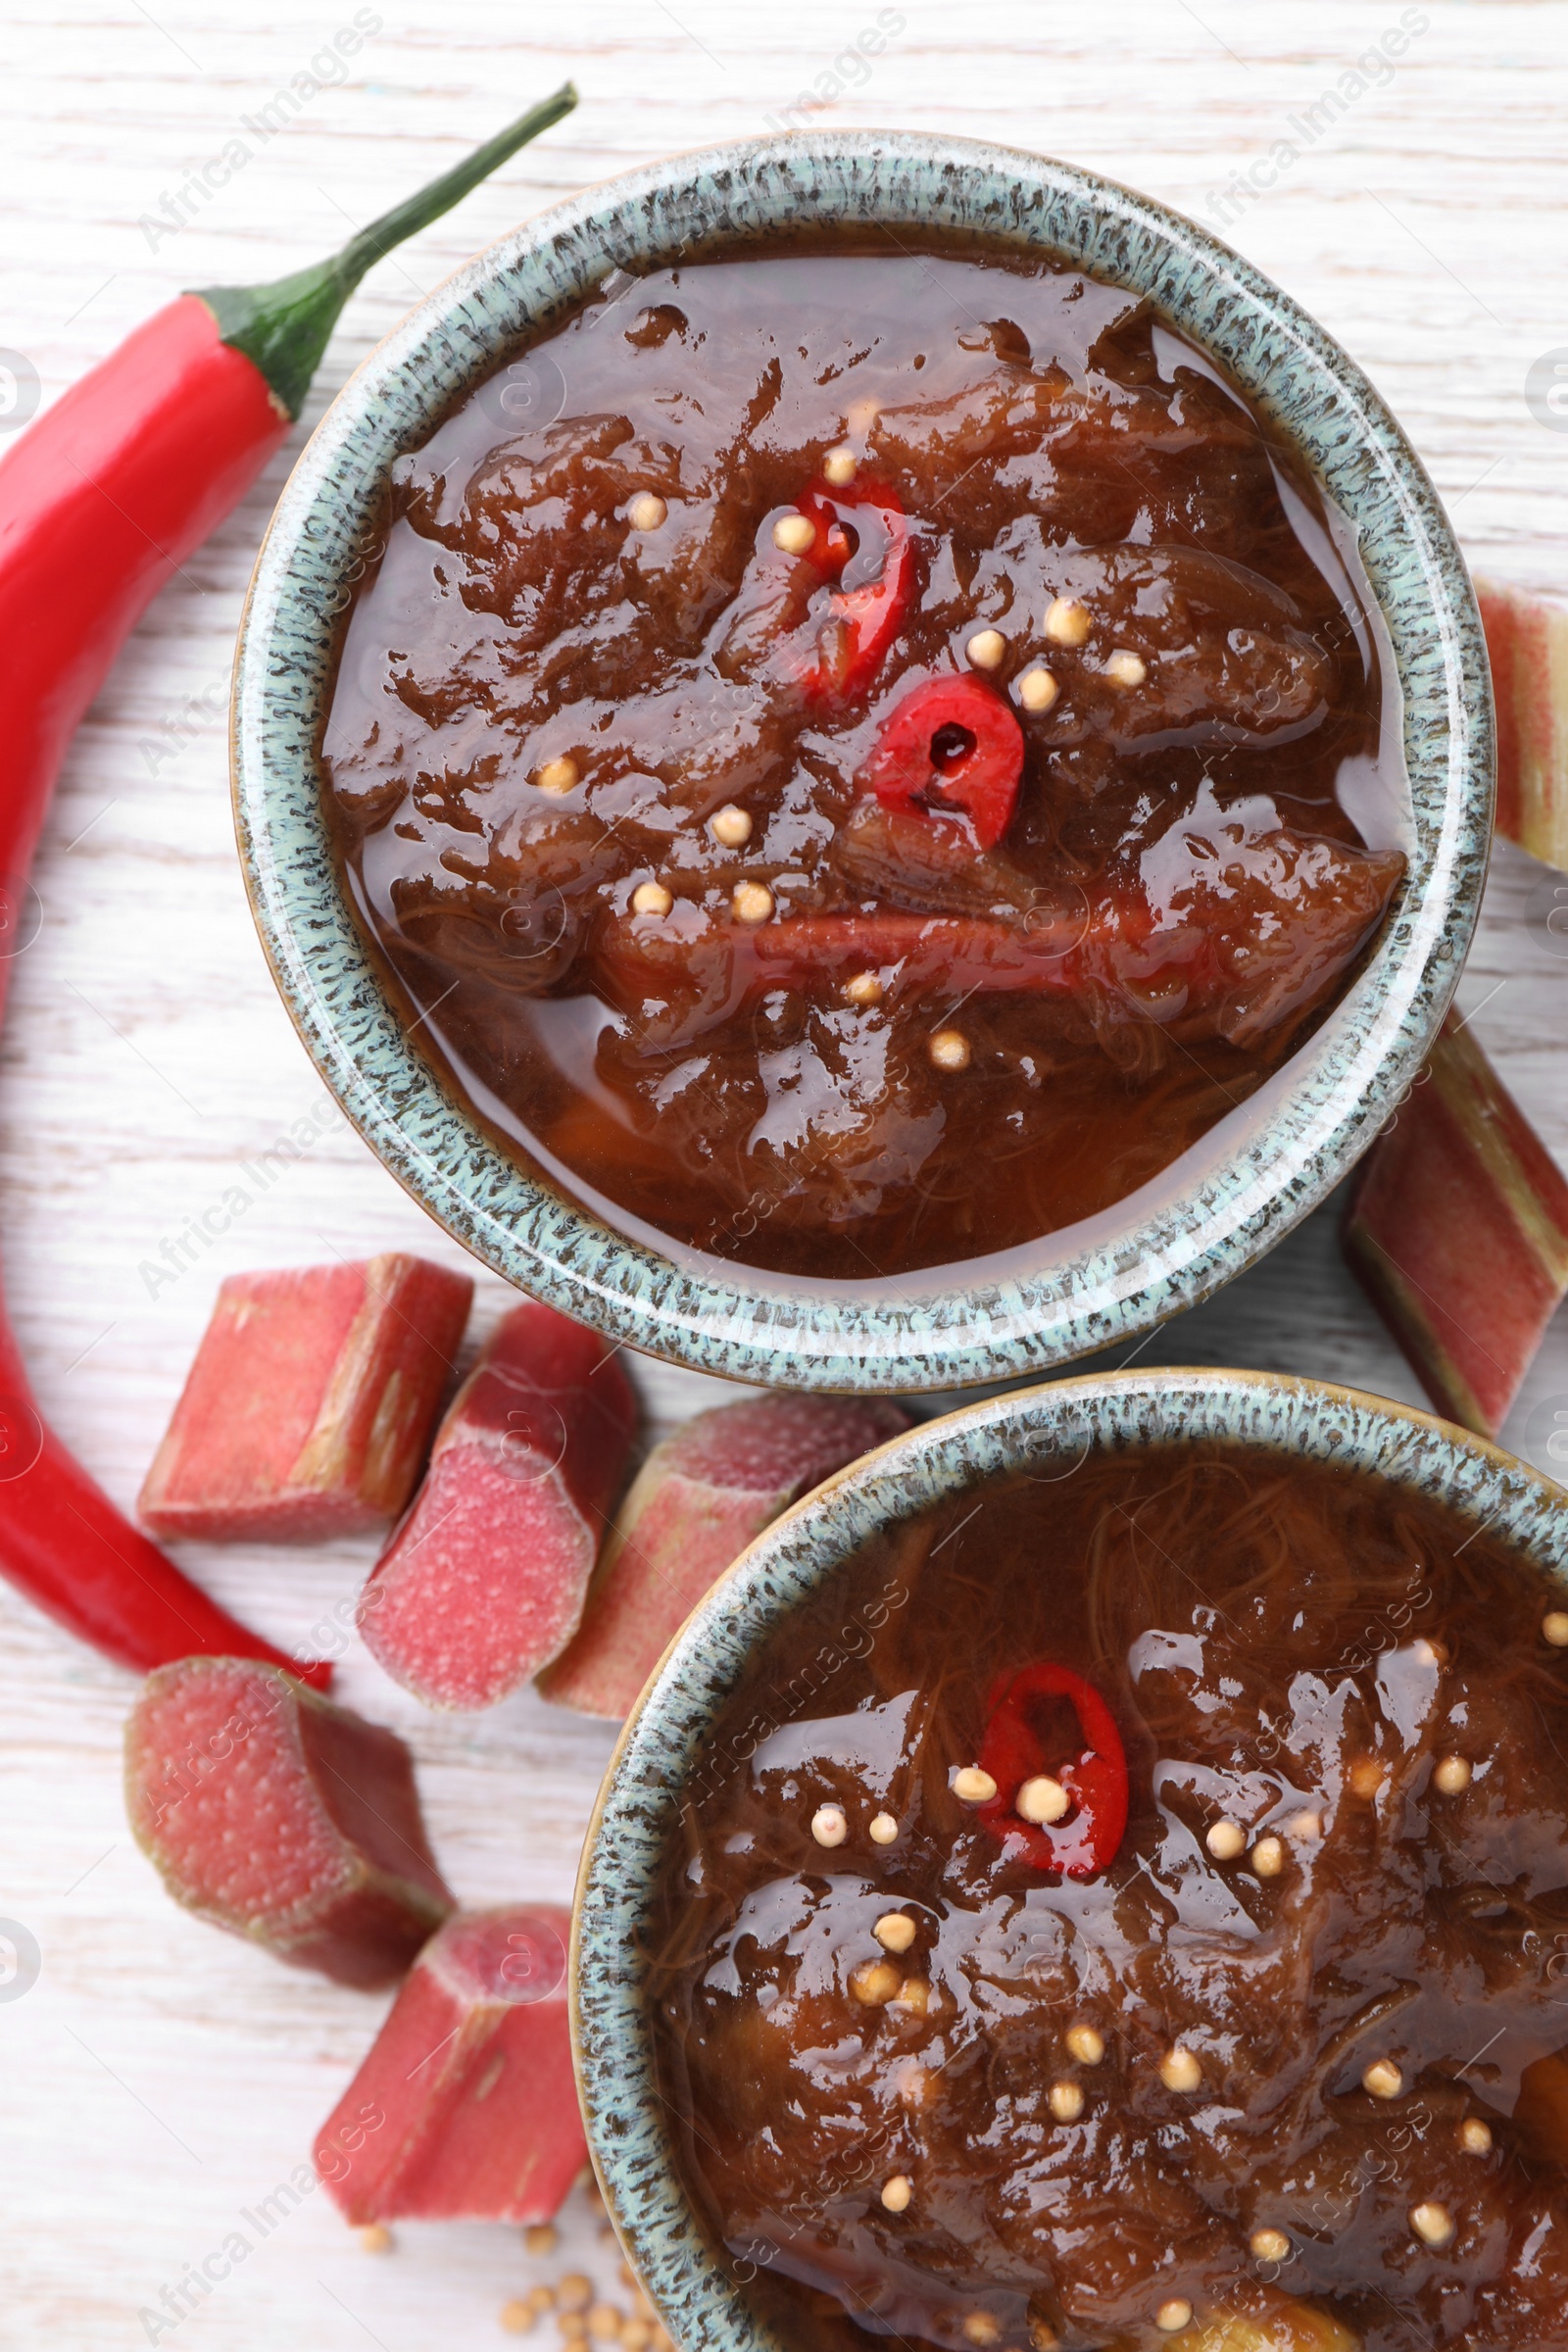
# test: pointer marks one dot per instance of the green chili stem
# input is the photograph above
(284, 326)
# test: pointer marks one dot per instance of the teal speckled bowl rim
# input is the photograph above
(1050, 1430)
(1167, 1248)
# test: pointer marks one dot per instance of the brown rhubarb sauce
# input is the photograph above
(1133, 1910)
(858, 758)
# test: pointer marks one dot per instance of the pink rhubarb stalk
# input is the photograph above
(694, 1506)
(465, 2108)
(484, 1581)
(1527, 638)
(307, 1410)
(270, 1812)
(1458, 1229)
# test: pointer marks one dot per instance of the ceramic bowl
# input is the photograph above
(1049, 1431)
(1222, 1204)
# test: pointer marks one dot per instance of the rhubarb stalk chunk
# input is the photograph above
(484, 1582)
(694, 1506)
(283, 1817)
(307, 1412)
(1458, 1229)
(465, 2108)
(1527, 638)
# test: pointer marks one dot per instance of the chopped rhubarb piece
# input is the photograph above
(307, 1412)
(1527, 638)
(484, 1581)
(1458, 1229)
(696, 1504)
(282, 1817)
(465, 2108)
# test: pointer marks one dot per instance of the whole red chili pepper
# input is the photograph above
(101, 499)
(1094, 1774)
(865, 619)
(951, 742)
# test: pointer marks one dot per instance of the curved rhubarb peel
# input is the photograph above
(950, 744)
(697, 1502)
(465, 2108)
(484, 1581)
(1457, 1229)
(271, 1813)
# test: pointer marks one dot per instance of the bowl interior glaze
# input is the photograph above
(1217, 1209)
(1049, 1432)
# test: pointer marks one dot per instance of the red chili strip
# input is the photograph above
(960, 952)
(865, 619)
(64, 1544)
(1221, 966)
(950, 745)
(101, 501)
(1085, 1842)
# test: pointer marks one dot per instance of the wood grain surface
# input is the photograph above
(159, 2077)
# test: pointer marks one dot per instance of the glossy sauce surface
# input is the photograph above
(1097, 2093)
(903, 897)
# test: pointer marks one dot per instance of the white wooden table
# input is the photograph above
(159, 2077)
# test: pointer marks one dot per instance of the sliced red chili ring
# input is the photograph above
(864, 619)
(1085, 1842)
(950, 744)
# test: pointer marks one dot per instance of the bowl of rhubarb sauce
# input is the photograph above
(1094, 1876)
(866, 764)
